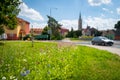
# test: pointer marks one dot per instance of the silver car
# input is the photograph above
(102, 41)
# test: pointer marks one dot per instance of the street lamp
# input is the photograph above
(51, 11)
(32, 35)
(50, 30)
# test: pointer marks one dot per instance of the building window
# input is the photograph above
(11, 35)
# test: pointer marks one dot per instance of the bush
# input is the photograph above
(86, 37)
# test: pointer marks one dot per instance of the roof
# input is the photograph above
(64, 30)
(37, 30)
(22, 20)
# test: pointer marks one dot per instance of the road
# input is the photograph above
(115, 49)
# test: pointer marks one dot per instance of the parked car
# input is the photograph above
(102, 41)
(3, 36)
(41, 37)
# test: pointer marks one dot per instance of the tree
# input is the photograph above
(55, 27)
(74, 34)
(78, 33)
(9, 9)
(98, 33)
(117, 26)
(45, 30)
(70, 33)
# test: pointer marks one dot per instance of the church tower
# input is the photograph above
(80, 22)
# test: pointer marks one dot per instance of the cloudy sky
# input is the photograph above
(100, 14)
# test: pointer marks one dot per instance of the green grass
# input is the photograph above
(50, 61)
(75, 39)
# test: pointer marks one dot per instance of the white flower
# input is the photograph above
(3, 78)
(12, 77)
(24, 60)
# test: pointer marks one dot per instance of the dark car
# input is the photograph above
(102, 41)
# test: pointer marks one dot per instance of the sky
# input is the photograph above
(100, 14)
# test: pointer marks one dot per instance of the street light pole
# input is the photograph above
(50, 31)
(32, 35)
(51, 11)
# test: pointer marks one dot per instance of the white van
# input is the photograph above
(3, 36)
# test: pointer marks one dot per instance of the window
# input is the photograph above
(11, 35)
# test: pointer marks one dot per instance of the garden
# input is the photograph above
(56, 61)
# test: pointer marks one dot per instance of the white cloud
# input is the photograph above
(107, 10)
(96, 22)
(38, 25)
(101, 23)
(118, 10)
(69, 23)
(98, 2)
(30, 13)
(102, 15)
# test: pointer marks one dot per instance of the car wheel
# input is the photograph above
(103, 43)
(93, 43)
(110, 44)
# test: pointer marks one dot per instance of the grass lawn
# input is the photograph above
(56, 61)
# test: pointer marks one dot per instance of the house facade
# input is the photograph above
(117, 34)
(20, 31)
(64, 31)
(87, 31)
(36, 31)
(109, 34)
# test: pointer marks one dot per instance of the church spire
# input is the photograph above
(80, 16)
(80, 22)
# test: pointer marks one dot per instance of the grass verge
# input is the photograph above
(54, 61)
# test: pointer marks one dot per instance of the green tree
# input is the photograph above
(55, 28)
(117, 26)
(74, 34)
(78, 33)
(9, 9)
(70, 33)
(98, 33)
(45, 30)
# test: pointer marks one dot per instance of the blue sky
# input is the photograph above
(100, 14)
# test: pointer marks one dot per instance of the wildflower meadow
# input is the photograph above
(56, 61)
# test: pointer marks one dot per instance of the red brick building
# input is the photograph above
(20, 31)
(64, 31)
(36, 31)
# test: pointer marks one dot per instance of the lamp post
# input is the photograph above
(51, 10)
(50, 30)
(32, 35)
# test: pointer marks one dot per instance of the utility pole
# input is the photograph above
(51, 11)
(50, 31)
(32, 35)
